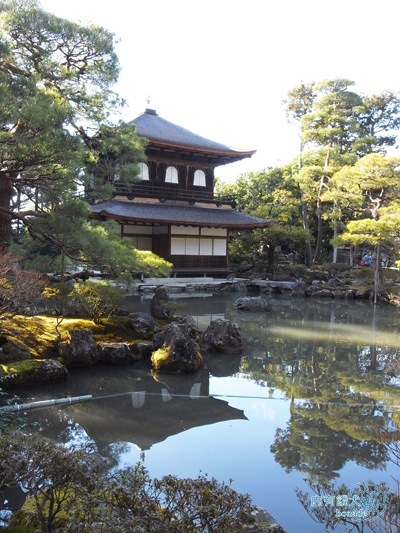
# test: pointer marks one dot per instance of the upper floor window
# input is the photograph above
(143, 172)
(171, 175)
(199, 178)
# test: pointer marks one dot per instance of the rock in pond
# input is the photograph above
(159, 305)
(222, 336)
(251, 304)
(80, 348)
(179, 352)
(115, 353)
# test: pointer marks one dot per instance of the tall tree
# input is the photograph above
(298, 104)
(340, 127)
(56, 97)
(379, 121)
(331, 127)
(370, 190)
(271, 193)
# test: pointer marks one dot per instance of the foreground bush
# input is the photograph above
(90, 299)
(66, 491)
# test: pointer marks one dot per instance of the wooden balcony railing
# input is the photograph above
(169, 193)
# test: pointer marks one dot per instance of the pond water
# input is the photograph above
(304, 403)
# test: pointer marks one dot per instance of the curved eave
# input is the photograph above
(230, 156)
(105, 215)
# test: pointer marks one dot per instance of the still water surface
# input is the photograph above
(303, 403)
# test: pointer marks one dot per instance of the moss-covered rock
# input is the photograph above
(31, 371)
(179, 352)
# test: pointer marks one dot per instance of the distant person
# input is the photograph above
(367, 260)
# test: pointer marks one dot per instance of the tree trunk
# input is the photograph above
(6, 192)
(306, 227)
(62, 267)
(351, 255)
(322, 184)
(335, 232)
(318, 247)
(378, 274)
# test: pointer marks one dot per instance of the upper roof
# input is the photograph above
(162, 132)
(159, 213)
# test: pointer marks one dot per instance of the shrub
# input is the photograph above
(89, 299)
(95, 299)
(65, 490)
(19, 289)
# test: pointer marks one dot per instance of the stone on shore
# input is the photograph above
(79, 349)
(32, 371)
(115, 353)
(142, 323)
(50, 370)
(13, 350)
(141, 350)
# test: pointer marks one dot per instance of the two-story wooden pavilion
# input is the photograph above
(173, 211)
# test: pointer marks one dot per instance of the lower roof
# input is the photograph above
(167, 214)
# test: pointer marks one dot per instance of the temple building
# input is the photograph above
(173, 210)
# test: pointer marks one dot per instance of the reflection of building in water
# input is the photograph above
(153, 412)
(139, 408)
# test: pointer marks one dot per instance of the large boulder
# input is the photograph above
(251, 304)
(79, 349)
(178, 353)
(222, 336)
(114, 353)
(51, 370)
(13, 350)
(142, 323)
(159, 305)
(186, 324)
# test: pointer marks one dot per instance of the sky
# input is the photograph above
(221, 68)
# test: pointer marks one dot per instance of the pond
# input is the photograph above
(315, 385)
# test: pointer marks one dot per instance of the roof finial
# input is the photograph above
(148, 100)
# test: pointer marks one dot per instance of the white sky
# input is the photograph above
(221, 68)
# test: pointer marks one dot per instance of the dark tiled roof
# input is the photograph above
(181, 214)
(155, 128)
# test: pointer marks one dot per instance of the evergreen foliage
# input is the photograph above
(56, 92)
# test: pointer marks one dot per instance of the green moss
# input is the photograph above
(162, 362)
(40, 336)
(18, 373)
(160, 358)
